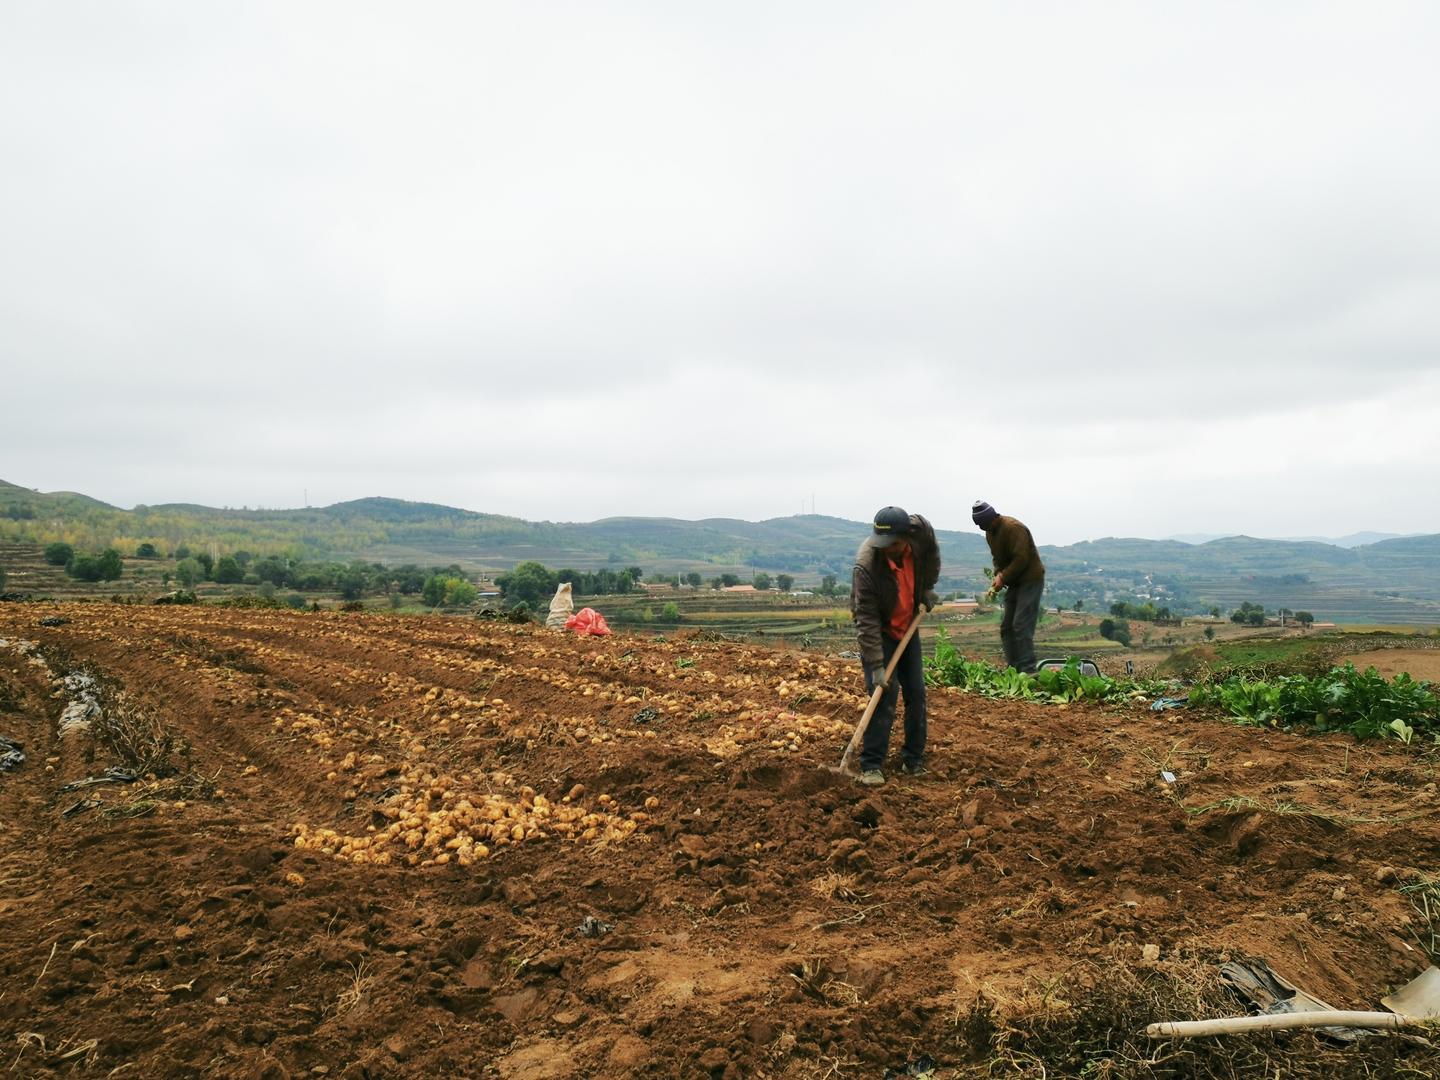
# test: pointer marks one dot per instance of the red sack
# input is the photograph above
(588, 621)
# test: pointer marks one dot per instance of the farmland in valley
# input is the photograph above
(1391, 581)
(366, 845)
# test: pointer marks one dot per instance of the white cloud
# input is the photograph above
(1109, 265)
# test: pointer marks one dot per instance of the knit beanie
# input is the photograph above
(982, 513)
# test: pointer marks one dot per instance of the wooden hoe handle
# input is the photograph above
(878, 693)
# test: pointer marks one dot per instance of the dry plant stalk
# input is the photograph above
(134, 735)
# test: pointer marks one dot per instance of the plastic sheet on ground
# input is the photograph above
(12, 754)
(588, 621)
(114, 775)
(1255, 983)
(1161, 704)
(84, 703)
(592, 927)
(922, 1068)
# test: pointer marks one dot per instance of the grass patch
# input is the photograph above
(1243, 804)
(1424, 895)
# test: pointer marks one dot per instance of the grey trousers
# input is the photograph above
(1017, 628)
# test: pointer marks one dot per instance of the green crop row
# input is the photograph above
(1363, 703)
(948, 668)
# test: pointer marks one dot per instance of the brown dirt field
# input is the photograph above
(769, 919)
(1418, 663)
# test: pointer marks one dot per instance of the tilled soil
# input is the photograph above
(385, 834)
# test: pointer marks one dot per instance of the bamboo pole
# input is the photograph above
(1184, 1029)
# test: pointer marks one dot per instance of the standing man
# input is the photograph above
(895, 573)
(1019, 571)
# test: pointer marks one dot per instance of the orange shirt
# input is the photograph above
(904, 572)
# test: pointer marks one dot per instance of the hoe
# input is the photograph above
(845, 768)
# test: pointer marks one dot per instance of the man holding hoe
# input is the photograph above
(1019, 571)
(895, 573)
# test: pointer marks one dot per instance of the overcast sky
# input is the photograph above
(1121, 269)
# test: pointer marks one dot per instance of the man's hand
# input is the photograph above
(930, 599)
(997, 583)
(877, 677)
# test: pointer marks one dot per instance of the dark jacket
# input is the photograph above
(1013, 550)
(873, 592)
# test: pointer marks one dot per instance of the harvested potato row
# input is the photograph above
(432, 821)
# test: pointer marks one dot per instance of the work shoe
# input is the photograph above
(872, 778)
(915, 770)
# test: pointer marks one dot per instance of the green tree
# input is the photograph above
(433, 591)
(1304, 618)
(273, 569)
(1209, 633)
(728, 580)
(1079, 605)
(228, 572)
(784, 582)
(670, 612)
(207, 564)
(693, 579)
(146, 551)
(351, 581)
(58, 553)
(761, 581)
(188, 572)
(459, 593)
(1248, 614)
(84, 568)
(827, 585)
(531, 583)
(1112, 630)
(181, 552)
(110, 565)
(636, 574)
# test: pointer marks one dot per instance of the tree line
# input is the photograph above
(534, 583)
(106, 566)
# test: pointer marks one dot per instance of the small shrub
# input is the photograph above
(84, 568)
(179, 596)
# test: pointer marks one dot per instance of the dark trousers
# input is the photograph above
(1017, 628)
(909, 677)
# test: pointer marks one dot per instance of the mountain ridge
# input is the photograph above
(1398, 577)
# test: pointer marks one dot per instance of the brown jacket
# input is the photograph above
(874, 594)
(1013, 550)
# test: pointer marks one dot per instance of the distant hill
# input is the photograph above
(1392, 580)
(1352, 540)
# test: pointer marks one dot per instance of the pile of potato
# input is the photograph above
(436, 819)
